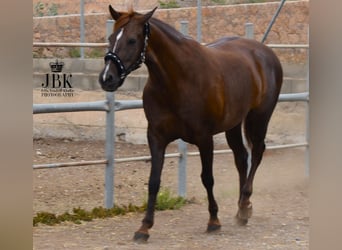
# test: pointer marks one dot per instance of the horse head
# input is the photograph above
(127, 47)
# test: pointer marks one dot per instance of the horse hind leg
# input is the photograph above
(242, 157)
(253, 133)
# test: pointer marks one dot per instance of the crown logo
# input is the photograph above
(56, 66)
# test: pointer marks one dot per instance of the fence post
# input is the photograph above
(110, 139)
(183, 150)
(182, 146)
(199, 21)
(184, 28)
(307, 134)
(249, 30)
(110, 146)
(82, 28)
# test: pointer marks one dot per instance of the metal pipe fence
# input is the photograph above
(110, 106)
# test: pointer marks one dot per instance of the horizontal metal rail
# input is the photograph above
(62, 44)
(228, 151)
(70, 107)
(295, 97)
(105, 45)
(85, 106)
(148, 157)
(196, 153)
(127, 104)
(288, 46)
(69, 164)
(98, 162)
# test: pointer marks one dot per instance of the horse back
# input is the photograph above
(260, 60)
(252, 52)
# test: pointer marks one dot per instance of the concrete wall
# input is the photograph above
(85, 74)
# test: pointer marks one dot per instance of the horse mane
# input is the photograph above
(168, 30)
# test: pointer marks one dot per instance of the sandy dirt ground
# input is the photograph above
(280, 218)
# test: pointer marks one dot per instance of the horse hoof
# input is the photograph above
(243, 215)
(213, 228)
(240, 221)
(140, 237)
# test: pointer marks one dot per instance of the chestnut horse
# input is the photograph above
(194, 92)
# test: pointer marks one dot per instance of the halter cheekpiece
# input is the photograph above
(123, 72)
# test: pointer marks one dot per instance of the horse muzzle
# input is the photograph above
(110, 82)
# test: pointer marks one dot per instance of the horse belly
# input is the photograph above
(170, 126)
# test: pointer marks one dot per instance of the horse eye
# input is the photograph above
(132, 41)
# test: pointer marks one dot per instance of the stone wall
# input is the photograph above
(291, 26)
(67, 7)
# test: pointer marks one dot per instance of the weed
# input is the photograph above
(52, 10)
(75, 52)
(45, 218)
(41, 9)
(165, 201)
(96, 53)
(168, 4)
(219, 2)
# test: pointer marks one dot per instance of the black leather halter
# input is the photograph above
(123, 72)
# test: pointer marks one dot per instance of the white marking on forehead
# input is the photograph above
(117, 39)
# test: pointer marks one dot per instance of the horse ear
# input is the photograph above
(114, 13)
(148, 15)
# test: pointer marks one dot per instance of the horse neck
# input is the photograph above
(164, 49)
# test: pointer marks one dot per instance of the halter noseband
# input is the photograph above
(123, 72)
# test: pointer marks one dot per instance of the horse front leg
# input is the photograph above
(157, 149)
(206, 153)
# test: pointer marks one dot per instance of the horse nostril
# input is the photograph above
(105, 77)
(109, 77)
